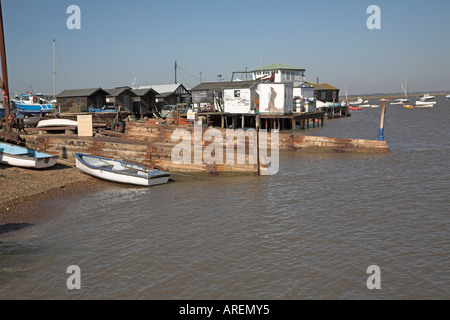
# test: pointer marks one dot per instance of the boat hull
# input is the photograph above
(25, 158)
(425, 104)
(33, 109)
(56, 123)
(108, 173)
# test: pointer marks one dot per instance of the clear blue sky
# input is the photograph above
(119, 40)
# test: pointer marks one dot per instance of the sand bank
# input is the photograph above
(22, 190)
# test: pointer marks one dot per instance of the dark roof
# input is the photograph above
(143, 92)
(118, 91)
(322, 86)
(79, 93)
(207, 86)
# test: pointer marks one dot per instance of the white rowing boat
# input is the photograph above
(119, 171)
(57, 123)
(25, 158)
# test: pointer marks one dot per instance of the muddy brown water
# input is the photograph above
(309, 232)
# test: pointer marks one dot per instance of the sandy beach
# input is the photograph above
(22, 191)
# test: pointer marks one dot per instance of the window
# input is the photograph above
(237, 93)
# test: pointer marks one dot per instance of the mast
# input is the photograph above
(4, 83)
(176, 72)
(54, 69)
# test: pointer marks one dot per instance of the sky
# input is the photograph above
(124, 40)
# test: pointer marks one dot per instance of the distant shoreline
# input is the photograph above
(389, 96)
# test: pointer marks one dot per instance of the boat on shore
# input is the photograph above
(57, 123)
(119, 171)
(32, 105)
(25, 158)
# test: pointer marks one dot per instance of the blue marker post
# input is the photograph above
(383, 113)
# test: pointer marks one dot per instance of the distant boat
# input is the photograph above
(406, 106)
(357, 102)
(354, 108)
(426, 97)
(426, 101)
(32, 105)
(401, 100)
(425, 104)
(25, 158)
(57, 123)
(119, 171)
(447, 97)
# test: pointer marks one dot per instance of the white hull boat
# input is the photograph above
(447, 97)
(25, 158)
(57, 123)
(119, 171)
(425, 104)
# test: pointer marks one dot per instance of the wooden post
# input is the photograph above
(383, 113)
(222, 120)
(258, 123)
(243, 121)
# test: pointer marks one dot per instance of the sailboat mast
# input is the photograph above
(5, 87)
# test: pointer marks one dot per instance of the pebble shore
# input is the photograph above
(22, 191)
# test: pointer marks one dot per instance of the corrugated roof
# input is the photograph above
(78, 93)
(278, 66)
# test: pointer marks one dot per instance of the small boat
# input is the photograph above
(57, 123)
(357, 102)
(25, 158)
(447, 97)
(119, 171)
(402, 100)
(354, 108)
(425, 104)
(32, 105)
(406, 106)
(426, 97)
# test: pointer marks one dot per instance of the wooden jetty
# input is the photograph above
(151, 145)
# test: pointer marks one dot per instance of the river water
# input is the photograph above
(309, 232)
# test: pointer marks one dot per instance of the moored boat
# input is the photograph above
(447, 97)
(119, 171)
(25, 158)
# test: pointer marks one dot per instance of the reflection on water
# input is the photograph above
(308, 233)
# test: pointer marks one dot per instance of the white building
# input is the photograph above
(276, 98)
(241, 100)
(280, 73)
